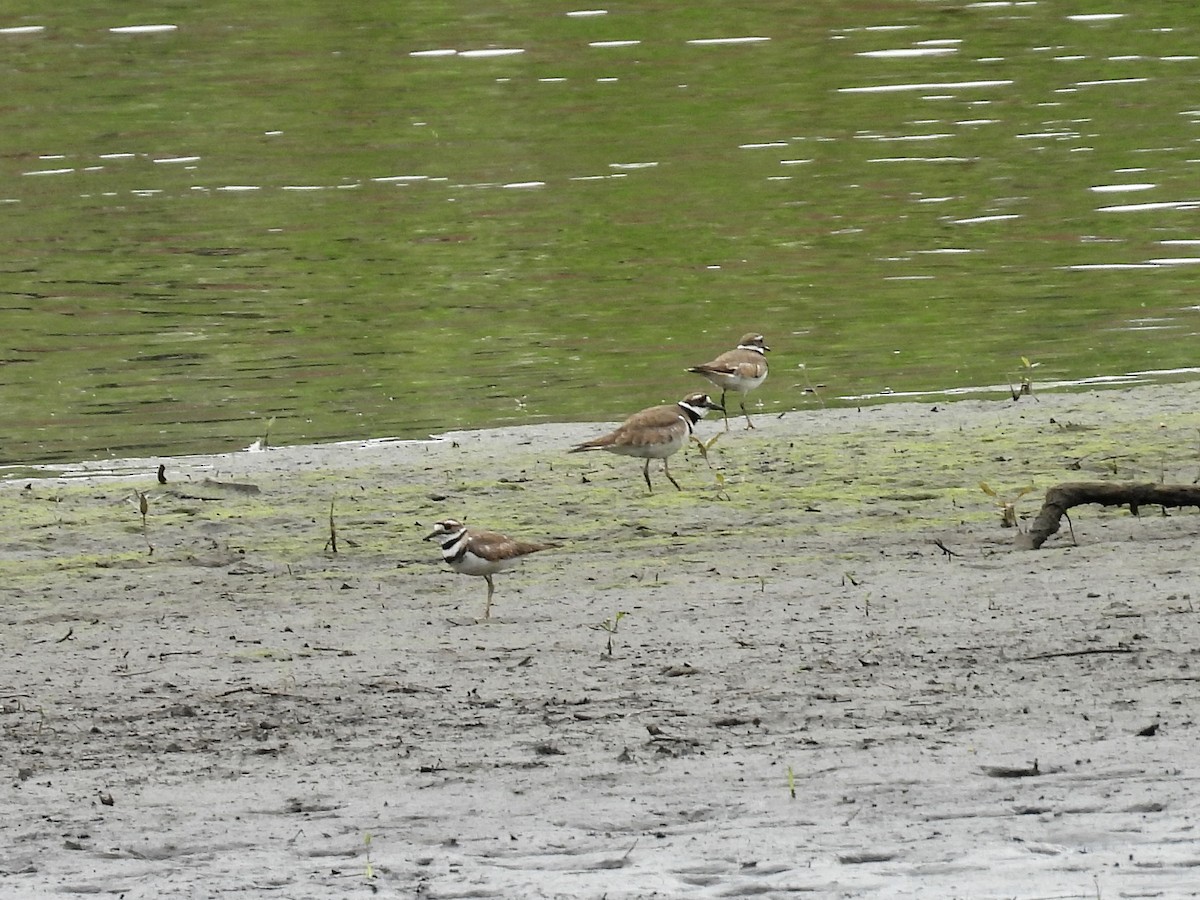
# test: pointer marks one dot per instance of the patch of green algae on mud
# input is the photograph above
(762, 496)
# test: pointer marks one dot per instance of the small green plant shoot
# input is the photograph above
(1025, 376)
(144, 508)
(609, 626)
(1008, 508)
(705, 446)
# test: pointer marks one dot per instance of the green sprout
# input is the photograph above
(1008, 508)
(609, 626)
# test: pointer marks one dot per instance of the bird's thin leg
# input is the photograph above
(646, 475)
(749, 424)
(487, 610)
(668, 474)
(724, 412)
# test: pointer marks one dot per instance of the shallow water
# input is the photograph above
(314, 225)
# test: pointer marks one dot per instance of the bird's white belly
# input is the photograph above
(470, 564)
(737, 383)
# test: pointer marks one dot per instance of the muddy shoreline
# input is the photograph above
(806, 694)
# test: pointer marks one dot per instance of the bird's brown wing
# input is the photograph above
(491, 545)
(742, 363)
(752, 368)
(649, 426)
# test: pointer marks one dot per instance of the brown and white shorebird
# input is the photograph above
(472, 551)
(654, 433)
(740, 370)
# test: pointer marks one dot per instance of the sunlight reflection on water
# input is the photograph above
(908, 52)
(926, 86)
(701, 42)
(143, 29)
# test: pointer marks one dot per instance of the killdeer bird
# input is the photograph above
(471, 551)
(654, 433)
(740, 370)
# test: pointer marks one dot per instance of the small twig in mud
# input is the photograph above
(66, 637)
(1012, 771)
(251, 689)
(791, 777)
(1096, 652)
(619, 862)
(331, 544)
(950, 554)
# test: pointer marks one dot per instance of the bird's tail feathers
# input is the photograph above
(597, 444)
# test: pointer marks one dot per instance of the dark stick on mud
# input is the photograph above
(1062, 497)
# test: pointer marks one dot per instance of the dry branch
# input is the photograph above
(1062, 497)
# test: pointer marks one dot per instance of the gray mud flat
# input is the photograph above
(835, 675)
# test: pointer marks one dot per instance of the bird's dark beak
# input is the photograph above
(430, 537)
(713, 404)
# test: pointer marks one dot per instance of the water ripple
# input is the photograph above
(907, 52)
(710, 42)
(926, 86)
(1103, 81)
(491, 52)
(143, 29)
(1147, 207)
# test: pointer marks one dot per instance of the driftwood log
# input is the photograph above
(1062, 497)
